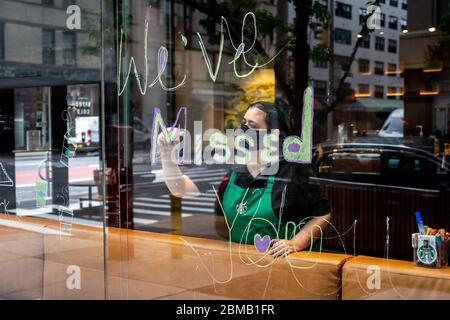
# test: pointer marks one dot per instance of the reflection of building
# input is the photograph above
(207, 100)
(375, 74)
(40, 47)
(427, 100)
(47, 66)
(37, 52)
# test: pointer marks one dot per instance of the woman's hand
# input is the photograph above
(174, 138)
(169, 146)
(281, 248)
(177, 183)
(311, 232)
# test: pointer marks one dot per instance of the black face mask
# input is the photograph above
(245, 128)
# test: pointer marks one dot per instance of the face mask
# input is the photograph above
(245, 128)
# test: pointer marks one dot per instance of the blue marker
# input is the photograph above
(420, 222)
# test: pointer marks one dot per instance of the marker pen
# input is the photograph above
(420, 222)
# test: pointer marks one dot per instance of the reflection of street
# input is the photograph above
(32, 168)
(154, 210)
(152, 205)
(27, 166)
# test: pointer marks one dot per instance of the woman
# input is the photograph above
(283, 206)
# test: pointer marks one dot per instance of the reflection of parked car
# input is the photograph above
(370, 182)
(393, 126)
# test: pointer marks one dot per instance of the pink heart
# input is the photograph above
(262, 244)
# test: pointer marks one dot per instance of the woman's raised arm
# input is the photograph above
(178, 183)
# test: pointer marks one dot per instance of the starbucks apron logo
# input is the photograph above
(241, 208)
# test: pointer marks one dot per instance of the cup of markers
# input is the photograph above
(432, 248)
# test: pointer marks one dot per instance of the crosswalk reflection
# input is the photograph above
(151, 209)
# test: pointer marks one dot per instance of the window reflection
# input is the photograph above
(82, 107)
(50, 124)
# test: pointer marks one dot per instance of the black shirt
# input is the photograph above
(302, 199)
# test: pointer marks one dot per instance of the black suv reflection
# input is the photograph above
(370, 182)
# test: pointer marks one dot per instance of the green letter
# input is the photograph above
(299, 149)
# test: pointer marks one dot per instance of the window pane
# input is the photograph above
(365, 42)
(379, 92)
(392, 48)
(48, 2)
(393, 22)
(343, 10)
(379, 43)
(51, 155)
(48, 46)
(343, 36)
(122, 148)
(364, 66)
(393, 3)
(69, 48)
(320, 89)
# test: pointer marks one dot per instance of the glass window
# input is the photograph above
(393, 3)
(320, 89)
(343, 10)
(379, 43)
(362, 15)
(343, 36)
(365, 42)
(48, 2)
(392, 46)
(363, 89)
(69, 48)
(322, 64)
(379, 67)
(392, 69)
(379, 92)
(364, 66)
(122, 156)
(393, 22)
(51, 155)
(404, 4)
(408, 169)
(404, 24)
(350, 164)
(66, 3)
(355, 163)
(396, 124)
(48, 46)
(342, 62)
(392, 93)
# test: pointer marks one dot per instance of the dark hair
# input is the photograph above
(275, 118)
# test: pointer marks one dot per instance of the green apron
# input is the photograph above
(241, 205)
(250, 216)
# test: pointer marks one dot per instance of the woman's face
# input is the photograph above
(255, 119)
